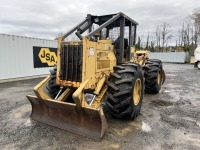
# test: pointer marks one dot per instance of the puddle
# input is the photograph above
(171, 75)
(167, 91)
(140, 125)
(198, 123)
(133, 126)
(28, 123)
(146, 127)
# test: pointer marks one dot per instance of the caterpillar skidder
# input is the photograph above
(100, 67)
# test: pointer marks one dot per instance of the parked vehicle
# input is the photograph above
(197, 57)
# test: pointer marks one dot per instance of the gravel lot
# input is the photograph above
(168, 120)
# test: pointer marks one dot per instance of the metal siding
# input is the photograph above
(173, 57)
(16, 56)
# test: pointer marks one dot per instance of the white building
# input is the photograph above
(19, 56)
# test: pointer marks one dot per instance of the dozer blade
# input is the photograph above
(84, 121)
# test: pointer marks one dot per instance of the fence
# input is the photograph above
(172, 57)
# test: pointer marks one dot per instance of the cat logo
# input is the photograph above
(46, 56)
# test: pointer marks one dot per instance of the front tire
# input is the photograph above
(52, 88)
(125, 91)
(153, 73)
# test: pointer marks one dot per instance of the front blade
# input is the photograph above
(84, 121)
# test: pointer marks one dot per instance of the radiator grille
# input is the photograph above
(71, 63)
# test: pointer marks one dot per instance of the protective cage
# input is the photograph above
(119, 28)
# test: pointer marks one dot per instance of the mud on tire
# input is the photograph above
(153, 76)
(52, 88)
(120, 91)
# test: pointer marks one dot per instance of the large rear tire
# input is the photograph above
(153, 73)
(52, 88)
(125, 91)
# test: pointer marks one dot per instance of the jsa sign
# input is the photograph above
(44, 57)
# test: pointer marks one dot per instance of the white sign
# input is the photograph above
(91, 51)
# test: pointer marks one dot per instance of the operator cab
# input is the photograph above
(118, 28)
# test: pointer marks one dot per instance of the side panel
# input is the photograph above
(98, 57)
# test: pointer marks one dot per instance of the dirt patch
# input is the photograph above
(159, 103)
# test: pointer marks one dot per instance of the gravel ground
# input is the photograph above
(168, 120)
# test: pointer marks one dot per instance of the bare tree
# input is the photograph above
(138, 44)
(188, 34)
(147, 43)
(179, 38)
(158, 36)
(182, 32)
(152, 47)
(184, 36)
(195, 35)
(196, 18)
(165, 34)
(59, 35)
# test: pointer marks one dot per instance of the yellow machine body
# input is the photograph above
(98, 63)
(83, 70)
(98, 57)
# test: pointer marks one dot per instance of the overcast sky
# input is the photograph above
(47, 18)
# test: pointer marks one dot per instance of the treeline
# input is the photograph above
(186, 39)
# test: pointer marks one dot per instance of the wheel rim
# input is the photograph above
(137, 92)
(159, 77)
